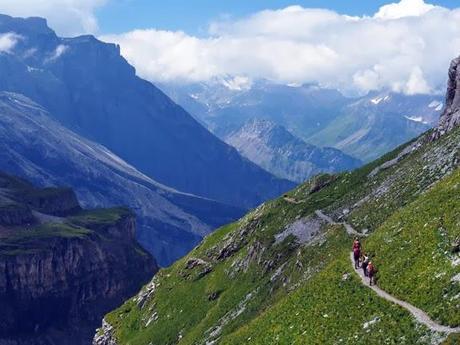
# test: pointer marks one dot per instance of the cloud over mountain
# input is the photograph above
(405, 47)
(67, 17)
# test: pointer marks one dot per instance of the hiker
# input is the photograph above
(356, 252)
(356, 244)
(371, 273)
(365, 262)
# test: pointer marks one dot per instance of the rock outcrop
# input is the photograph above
(58, 276)
(451, 115)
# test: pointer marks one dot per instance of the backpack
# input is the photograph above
(370, 269)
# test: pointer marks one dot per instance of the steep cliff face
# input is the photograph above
(451, 115)
(58, 275)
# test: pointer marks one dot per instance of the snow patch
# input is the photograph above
(418, 119)
(379, 100)
(376, 100)
(434, 104)
(238, 83)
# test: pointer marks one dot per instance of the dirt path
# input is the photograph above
(293, 201)
(350, 230)
(419, 314)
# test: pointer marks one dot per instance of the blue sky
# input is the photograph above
(401, 45)
(193, 16)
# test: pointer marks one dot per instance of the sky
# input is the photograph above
(193, 17)
(355, 46)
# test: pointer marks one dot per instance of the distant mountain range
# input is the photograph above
(87, 86)
(278, 151)
(224, 107)
(364, 127)
(375, 124)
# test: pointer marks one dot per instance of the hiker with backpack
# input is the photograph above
(371, 273)
(365, 263)
(356, 252)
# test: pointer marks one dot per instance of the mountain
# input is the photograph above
(35, 146)
(61, 267)
(364, 127)
(225, 105)
(450, 118)
(89, 88)
(378, 123)
(283, 273)
(276, 150)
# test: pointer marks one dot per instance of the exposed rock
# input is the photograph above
(451, 115)
(456, 246)
(54, 201)
(104, 335)
(213, 295)
(321, 181)
(13, 214)
(304, 230)
(146, 293)
(194, 262)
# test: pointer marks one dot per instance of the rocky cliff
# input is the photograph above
(451, 115)
(59, 275)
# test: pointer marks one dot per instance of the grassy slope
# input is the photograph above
(423, 231)
(31, 239)
(267, 289)
(414, 251)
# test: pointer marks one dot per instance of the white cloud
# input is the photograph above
(405, 46)
(8, 41)
(57, 53)
(405, 8)
(67, 17)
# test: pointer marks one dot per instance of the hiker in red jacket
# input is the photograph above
(371, 273)
(356, 252)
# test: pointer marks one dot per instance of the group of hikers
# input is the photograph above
(362, 260)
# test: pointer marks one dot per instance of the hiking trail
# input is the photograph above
(418, 314)
(350, 230)
(293, 201)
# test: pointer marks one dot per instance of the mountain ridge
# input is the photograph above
(278, 151)
(36, 147)
(91, 89)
